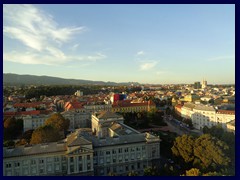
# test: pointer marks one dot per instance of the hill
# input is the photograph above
(16, 79)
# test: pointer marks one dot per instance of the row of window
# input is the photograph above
(119, 150)
(125, 168)
(34, 161)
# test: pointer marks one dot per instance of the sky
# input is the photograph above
(155, 44)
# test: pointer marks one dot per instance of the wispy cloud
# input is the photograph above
(41, 36)
(145, 66)
(46, 59)
(140, 53)
(220, 58)
(74, 47)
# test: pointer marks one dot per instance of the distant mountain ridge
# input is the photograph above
(16, 79)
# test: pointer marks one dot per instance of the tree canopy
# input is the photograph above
(205, 152)
(58, 121)
(12, 128)
(45, 134)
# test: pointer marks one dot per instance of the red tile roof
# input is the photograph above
(222, 111)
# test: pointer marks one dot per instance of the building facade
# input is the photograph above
(110, 147)
(72, 156)
(77, 119)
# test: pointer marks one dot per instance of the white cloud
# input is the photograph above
(140, 53)
(147, 65)
(46, 59)
(219, 58)
(41, 36)
(74, 47)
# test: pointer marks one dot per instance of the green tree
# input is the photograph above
(183, 147)
(211, 152)
(27, 135)
(12, 128)
(45, 134)
(193, 172)
(58, 121)
(150, 171)
(132, 173)
(8, 143)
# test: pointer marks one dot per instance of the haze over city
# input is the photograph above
(157, 44)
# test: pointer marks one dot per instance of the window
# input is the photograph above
(16, 164)
(80, 167)
(88, 157)
(8, 165)
(120, 150)
(126, 168)
(25, 171)
(25, 162)
(49, 159)
(138, 165)
(132, 157)
(57, 167)
(108, 153)
(126, 158)
(49, 168)
(71, 168)
(113, 151)
(101, 161)
(71, 159)
(33, 161)
(126, 150)
(56, 159)
(41, 161)
(17, 173)
(80, 158)
(132, 167)
(132, 149)
(88, 166)
(41, 170)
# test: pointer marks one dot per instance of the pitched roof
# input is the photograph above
(108, 115)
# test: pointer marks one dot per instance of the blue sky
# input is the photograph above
(160, 44)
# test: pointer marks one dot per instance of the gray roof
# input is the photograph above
(34, 149)
(108, 115)
(72, 140)
(75, 140)
(119, 140)
(189, 105)
(204, 108)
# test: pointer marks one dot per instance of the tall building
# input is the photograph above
(197, 85)
(204, 83)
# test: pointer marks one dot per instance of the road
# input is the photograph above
(175, 127)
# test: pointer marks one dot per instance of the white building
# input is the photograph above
(203, 116)
(72, 156)
(187, 110)
(78, 93)
(34, 121)
(102, 121)
(204, 84)
(77, 119)
(98, 107)
(119, 148)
